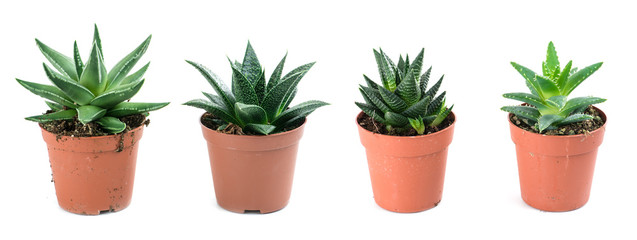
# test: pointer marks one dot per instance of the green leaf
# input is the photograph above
(371, 84)
(546, 121)
(579, 102)
(552, 63)
(49, 92)
(136, 76)
(371, 111)
(545, 70)
(561, 81)
(115, 96)
(71, 89)
(287, 101)
(416, 66)
(409, 88)
(248, 113)
(215, 99)
(417, 124)
(276, 75)
(98, 41)
(124, 66)
(243, 89)
(548, 87)
(386, 75)
(434, 89)
(523, 111)
(111, 124)
(216, 83)
(437, 103)
(54, 106)
(417, 110)
(372, 97)
(131, 108)
(396, 120)
(94, 76)
(526, 98)
(259, 128)
(578, 77)
(303, 69)
(251, 68)
(300, 110)
(392, 67)
(279, 94)
(557, 101)
(214, 109)
(61, 62)
(394, 102)
(424, 80)
(259, 87)
(441, 117)
(60, 115)
(79, 65)
(530, 78)
(575, 118)
(401, 65)
(89, 113)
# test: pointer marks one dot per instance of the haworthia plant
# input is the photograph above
(403, 100)
(548, 106)
(87, 91)
(257, 106)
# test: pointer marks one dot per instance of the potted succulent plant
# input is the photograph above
(406, 130)
(91, 129)
(253, 134)
(556, 137)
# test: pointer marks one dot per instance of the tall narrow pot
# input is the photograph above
(556, 172)
(407, 173)
(252, 173)
(93, 174)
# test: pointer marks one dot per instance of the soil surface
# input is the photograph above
(583, 127)
(213, 122)
(77, 129)
(374, 126)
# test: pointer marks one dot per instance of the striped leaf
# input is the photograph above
(71, 88)
(396, 120)
(89, 113)
(251, 68)
(417, 110)
(436, 103)
(371, 111)
(49, 92)
(424, 80)
(300, 110)
(373, 97)
(371, 84)
(394, 102)
(276, 97)
(434, 89)
(242, 88)
(386, 75)
(124, 66)
(61, 62)
(54, 106)
(60, 115)
(131, 108)
(216, 83)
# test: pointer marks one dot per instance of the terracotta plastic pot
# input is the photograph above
(252, 173)
(93, 174)
(556, 172)
(407, 173)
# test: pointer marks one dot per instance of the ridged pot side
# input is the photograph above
(253, 173)
(93, 174)
(407, 173)
(556, 172)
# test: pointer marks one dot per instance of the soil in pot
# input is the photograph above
(93, 175)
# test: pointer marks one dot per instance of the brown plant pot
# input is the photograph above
(252, 173)
(407, 173)
(556, 172)
(93, 174)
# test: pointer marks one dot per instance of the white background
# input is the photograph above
(471, 42)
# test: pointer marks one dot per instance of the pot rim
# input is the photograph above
(92, 137)
(602, 115)
(254, 136)
(412, 137)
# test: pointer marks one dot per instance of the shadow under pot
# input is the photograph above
(556, 172)
(407, 172)
(252, 173)
(93, 175)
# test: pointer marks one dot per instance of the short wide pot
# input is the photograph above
(93, 175)
(407, 173)
(252, 173)
(556, 172)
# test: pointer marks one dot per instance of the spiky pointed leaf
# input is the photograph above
(523, 111)
(136, 76)
(300, 110)
(115, 96)
(530, 78)
(552, 62)
(89, 113)
(71, 88)
(79, 65)
(97, 40)
(371, 84)
(556, 101)
(131, 108)
(249, 113)
(276, 74)
(575, 118)
(124, 66)
(578, 77)
(579, 102)
(242, 89)
(61, 62)
(526, 98)
(251, 68)
(417, 110)
(396, 120)
(441, 117)
(279, 94)
(259, 86)
(371, 111)
(424, 80)
(60, 115)
(54, 106)
(386, 75)
(373, 97)
(264, 129)
(214, 109)
(111, 124)
(49, 92)
(94, 76)
(217, 84)
(566, 72)
(545, 121)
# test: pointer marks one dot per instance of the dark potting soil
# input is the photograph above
(213, 122)
(583, 127)
(77, 129)
(374, 126)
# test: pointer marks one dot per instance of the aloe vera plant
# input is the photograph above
(87, 91)
(253, 104)
(403, 101)
(548, 106)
